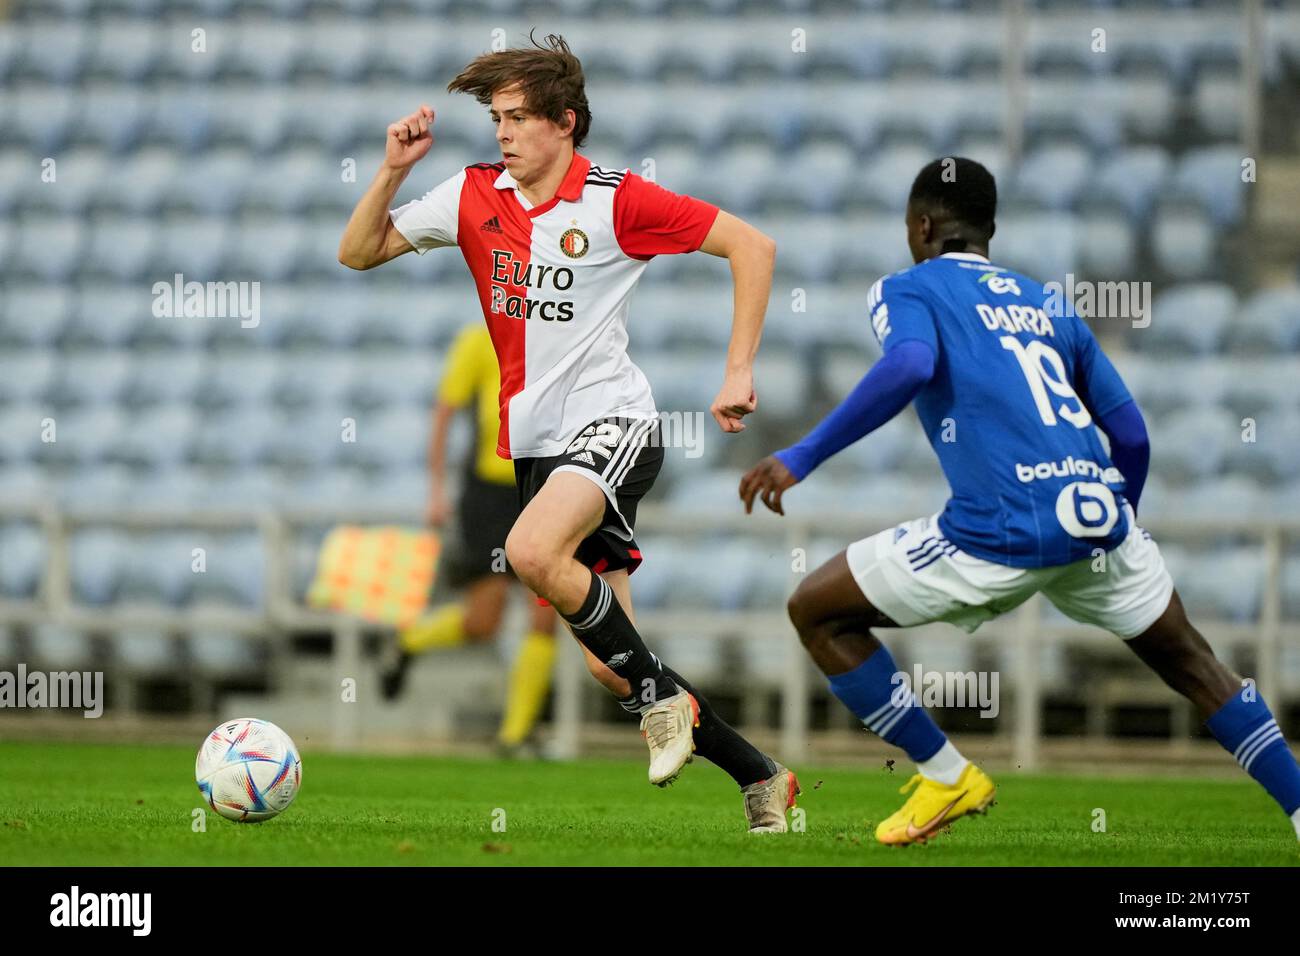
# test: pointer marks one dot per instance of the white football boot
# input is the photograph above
(767, 801)
(666, 728)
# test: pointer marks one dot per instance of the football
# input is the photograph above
(248, 770)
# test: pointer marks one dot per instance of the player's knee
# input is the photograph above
(803, 612)
(529, 557)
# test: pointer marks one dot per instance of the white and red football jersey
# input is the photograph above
(555, 281)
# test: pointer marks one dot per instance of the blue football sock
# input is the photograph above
(888, 707)
(1247, 730)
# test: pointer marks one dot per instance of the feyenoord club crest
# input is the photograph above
(574, 243)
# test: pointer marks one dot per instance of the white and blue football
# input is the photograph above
(248, 770)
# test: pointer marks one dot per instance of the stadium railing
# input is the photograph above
(282, 614)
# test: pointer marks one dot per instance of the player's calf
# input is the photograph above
(1233, 710)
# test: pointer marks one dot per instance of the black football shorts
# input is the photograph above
(622, 456)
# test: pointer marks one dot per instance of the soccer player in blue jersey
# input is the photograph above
(1008, 388)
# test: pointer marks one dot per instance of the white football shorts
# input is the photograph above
(916, 576)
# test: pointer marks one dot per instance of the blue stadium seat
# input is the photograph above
(243, 488)
(1191, 318)
(196, 247)
(1268, 323)
(97, 324)
(41, 118)
(1107, 244)
(1194, 443)
(51, 248)
(1206, 499)
(315, 377)
(240, 437)
(27, 375)
(1218, 106)
(782, 381)
(1043, 246)
(236, 570)
(1256, 385)
(267, 51)
(117, 118)
(125, 48)
(102, 487)
(240, 378)
(79, 173)
(389, 439)
(24, 553)
(1183, 239)
(143, 179)
(1054, 176)
(20, 171)
(404, 488)
(1134, 178)
(97, 559)
(157, 437)
(395, 377)
(84, 435)
(175, 488)
(33, 316)
(168, 377)
(55, 647)
(91, 377)
(226, 655)
(122, 248)
(311, 436)
(1213, 175)
(1226, 584)
(22, 426)
(213, 185)
(145, 652)
(1275, 453)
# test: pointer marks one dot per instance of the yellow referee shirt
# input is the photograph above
(472, 374)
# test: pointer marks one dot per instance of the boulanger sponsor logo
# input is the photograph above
(1069, 467)
(574, 243)
(75, 908)
(55, 690)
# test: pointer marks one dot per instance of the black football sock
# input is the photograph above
(602, 626)
(718, 742)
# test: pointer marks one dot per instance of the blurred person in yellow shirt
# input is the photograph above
(474, 561)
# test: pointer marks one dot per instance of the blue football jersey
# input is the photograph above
(1010, 411)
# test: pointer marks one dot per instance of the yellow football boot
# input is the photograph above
(933, 805)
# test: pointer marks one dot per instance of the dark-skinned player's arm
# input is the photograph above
(752, 256)
(885, 391)
(370, 238)
(1102, 390)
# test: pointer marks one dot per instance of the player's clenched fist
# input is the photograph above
(735, 400)
(769, 479)
(409, 139)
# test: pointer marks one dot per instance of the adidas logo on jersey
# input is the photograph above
(585, 458)
(492, 225)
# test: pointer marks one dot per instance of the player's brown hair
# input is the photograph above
(548, 75)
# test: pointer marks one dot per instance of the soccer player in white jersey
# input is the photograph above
(556, 245)
(1011, 391)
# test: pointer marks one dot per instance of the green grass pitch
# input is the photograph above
(71, 804)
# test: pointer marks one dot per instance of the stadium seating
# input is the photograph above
(232, 165)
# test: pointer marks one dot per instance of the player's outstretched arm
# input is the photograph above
(752, 255)
(370, 238)
(884, 392)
